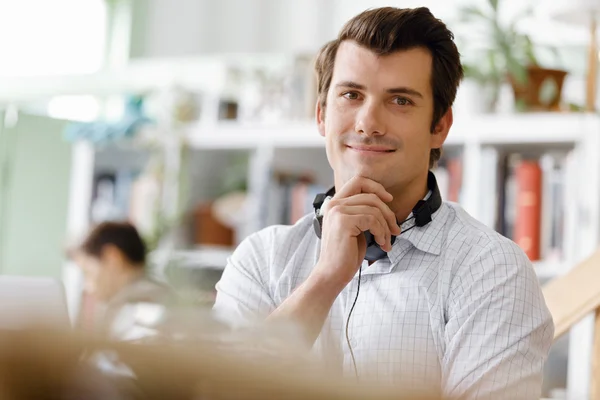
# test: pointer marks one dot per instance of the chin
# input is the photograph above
(376, 174)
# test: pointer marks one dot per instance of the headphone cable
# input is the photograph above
(348, 323)
(352, 309)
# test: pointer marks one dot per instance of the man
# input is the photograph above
(113, 259)
(454, 308)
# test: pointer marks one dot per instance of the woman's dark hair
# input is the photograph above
(122, 235)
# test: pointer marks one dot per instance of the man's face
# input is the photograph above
(378, 115)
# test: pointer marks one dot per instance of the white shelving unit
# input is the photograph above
(518, 132)
(473, 135)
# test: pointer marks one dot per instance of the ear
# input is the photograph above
(320, 115)
(440, 132)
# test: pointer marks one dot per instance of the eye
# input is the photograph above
(402, 101)
(350, 95)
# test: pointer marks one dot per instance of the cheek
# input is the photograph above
(334, 128)
(418, 145)
(416, 129)
(90, 275)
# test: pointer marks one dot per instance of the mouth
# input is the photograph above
(371, 149)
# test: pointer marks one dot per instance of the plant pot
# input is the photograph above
(541, 92)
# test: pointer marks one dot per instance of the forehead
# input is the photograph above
(410, 68)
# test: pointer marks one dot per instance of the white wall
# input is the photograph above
(170, 28)
(165, 28)
(173, 28)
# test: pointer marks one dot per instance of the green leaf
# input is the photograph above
(517, 71)
(494, 4)
(520, 105)
(529, 53)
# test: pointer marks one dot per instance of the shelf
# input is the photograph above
(215, 257)
(206, 74)
(527, 128)
(233, 135)
(203, 257)
(538, 129)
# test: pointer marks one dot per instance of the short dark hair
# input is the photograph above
(387, 30)
(122, 235)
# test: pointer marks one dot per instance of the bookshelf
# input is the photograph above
(476, 140)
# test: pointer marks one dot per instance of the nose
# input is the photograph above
(369, 121)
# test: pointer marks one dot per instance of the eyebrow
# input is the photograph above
(396, 90)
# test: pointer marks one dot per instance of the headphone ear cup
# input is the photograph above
(317, 226)
(374, 251)
(371, 239)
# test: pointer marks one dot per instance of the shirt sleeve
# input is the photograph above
(243, 295)
(499, 330)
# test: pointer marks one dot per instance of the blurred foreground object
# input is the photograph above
(43, 364)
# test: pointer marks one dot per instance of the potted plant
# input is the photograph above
(505, 54)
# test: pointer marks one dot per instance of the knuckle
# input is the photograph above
(333, 212)
(372, 197)
(331, 206)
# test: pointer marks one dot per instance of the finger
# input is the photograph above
(373, 200)
(363, 218)
(359, 184)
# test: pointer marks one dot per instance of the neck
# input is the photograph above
(407, 195)
(126, 277)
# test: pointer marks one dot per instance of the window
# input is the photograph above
(40, 37)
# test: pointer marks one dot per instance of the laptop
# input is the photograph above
(32, 300)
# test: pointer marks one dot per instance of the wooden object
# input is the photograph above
(529, 93)
(572, 297)
(208, 230)
(41, 364)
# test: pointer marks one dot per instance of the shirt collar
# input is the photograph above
(426, 238)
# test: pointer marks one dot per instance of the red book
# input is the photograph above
(455, 173)
(529, 208)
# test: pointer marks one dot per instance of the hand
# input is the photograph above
(360, 205)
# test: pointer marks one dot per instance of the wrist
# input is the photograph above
(323, 279)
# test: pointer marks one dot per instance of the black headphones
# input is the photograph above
(421, 213)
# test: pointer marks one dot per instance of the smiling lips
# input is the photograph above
(373, 150)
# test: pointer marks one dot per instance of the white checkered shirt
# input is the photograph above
(455, 308)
